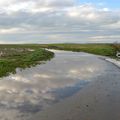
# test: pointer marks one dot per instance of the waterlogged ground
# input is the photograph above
(34, 89)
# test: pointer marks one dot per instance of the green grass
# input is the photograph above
(13, 59)
(98, 49)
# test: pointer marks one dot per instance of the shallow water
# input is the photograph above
(34, 89)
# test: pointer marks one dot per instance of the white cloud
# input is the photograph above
(84, 12)
(11, 30)
(64, 15)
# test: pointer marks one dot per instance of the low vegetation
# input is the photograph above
(21, 57)
(98, 49)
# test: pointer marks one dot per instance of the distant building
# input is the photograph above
(118, 54)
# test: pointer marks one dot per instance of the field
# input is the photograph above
(20, 56)
(27, 55)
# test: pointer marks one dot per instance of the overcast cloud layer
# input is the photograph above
(51, 21)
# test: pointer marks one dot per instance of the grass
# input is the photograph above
(13, 58)
(98, 49)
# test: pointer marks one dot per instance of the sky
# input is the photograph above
(59, 21)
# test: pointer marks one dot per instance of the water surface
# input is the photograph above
(34, 89)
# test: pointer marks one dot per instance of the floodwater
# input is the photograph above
(34, 89)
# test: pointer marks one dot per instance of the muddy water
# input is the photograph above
(31, 90)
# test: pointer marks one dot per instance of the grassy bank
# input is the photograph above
(21, 57)
(98, 49)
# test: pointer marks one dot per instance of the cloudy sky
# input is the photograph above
(59, 21)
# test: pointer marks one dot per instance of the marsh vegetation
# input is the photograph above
(12, 57)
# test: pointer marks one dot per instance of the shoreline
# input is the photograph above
(114, 61)
(9, 63)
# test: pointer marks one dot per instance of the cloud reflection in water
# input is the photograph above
(34, 89)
